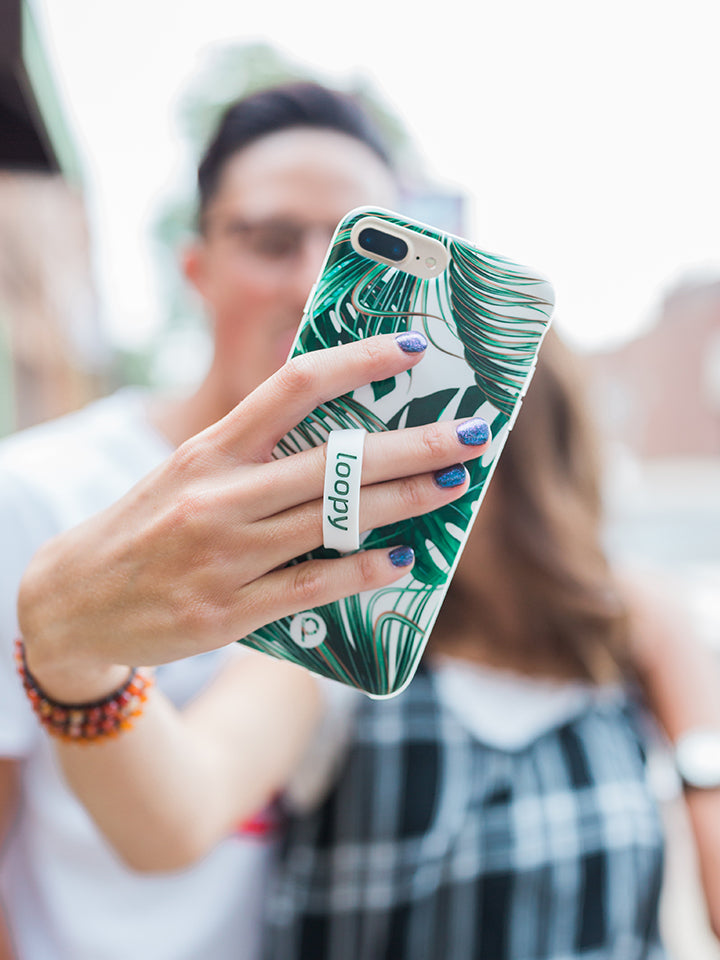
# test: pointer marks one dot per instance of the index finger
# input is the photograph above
(255, 426)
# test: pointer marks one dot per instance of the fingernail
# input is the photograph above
(451, 476)
(411, 342)
(473, 432)
(401, 556)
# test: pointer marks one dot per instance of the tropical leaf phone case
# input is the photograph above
(484, 318)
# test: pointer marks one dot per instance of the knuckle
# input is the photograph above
(308, 584)
(208, 619)
(305, 521)
(252, 489)
(198, 618)
(191, 524)
(188, 510)
(375, 351)
(190, 457)
(322, 453)
(299, 376)
(413, 494)
(434, 441)
(269, 537)
(367, 569)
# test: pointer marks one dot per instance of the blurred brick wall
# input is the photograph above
(660, 393)
(48, 311)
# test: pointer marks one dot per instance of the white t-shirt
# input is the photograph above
(507, 710)
(67, 895)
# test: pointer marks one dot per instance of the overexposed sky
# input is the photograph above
(586, 135)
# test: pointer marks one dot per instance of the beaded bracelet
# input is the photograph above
(85, 722)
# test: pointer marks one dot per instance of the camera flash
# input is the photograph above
(430, 262)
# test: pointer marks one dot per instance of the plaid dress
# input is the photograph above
(435, 846)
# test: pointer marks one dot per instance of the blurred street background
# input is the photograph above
(582, 140)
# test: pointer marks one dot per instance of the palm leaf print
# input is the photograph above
(484, 319)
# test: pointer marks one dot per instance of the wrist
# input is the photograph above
(86, 720)
(73, 681)
(53, 648)
(697, 758)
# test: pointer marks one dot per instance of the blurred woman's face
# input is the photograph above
(266, 233)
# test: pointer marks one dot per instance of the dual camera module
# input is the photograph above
(383, 244)
(410, 250)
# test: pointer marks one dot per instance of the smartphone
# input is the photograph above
(484, 317)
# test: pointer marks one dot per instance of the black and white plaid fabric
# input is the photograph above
(434, 846)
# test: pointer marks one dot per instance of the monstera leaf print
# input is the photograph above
(484, 318)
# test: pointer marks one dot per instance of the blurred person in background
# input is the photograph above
(498, 808)
(282, 169)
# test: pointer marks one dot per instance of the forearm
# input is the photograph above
(166, 791)
(153, 791)
(6, 948)
(9, 796)
(682, 684)
(704, 812)
(684, 690)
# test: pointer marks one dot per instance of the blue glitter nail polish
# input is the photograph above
(401, 556)
(411, 342)
(473, 432)
(451, 476)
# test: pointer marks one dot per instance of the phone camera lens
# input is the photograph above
(383, 244)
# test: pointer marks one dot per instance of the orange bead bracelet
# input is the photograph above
(85, 722)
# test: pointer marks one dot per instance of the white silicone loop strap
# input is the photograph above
(341, 496)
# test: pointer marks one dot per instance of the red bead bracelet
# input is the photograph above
(86, 722)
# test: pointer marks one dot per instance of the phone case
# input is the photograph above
(484, 319)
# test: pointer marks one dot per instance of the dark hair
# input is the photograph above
(279, 108)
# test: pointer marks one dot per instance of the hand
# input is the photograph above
(194, 556)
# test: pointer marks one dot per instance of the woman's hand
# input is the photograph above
(194, 556)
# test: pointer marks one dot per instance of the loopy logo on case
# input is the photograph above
(308, 630)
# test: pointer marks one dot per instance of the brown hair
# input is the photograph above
(533, 591)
